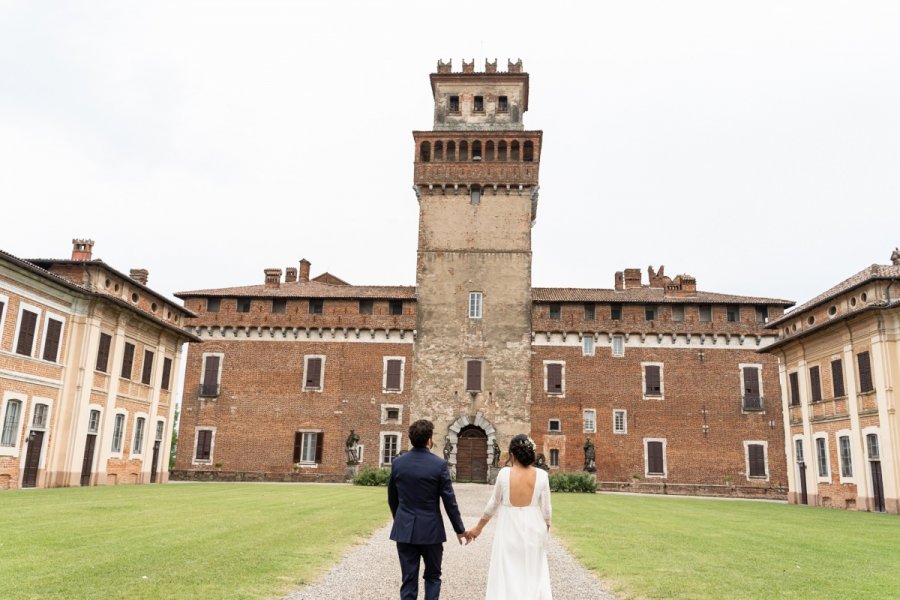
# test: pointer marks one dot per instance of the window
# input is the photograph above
(138, 446)
(650, 313)
(475, 300)
(279, 306)
(587, 345)
(846, 463)
(52, 338)
(454, 104)
(312, 373)
(473, 375)
(475, 195)
(308, 447)
(798, 450)
(395, 307)
(39, 420)
(794, 380)
(762, 313)
(147, 368)
(103, 352)
(478, 104)
(615, 312)
(213, 305)
(620, 421)
(118, 432)
(732, 313)
(705, 313)
(815, 384)
(655, 457)
(590, 421)
(590, 311)
(502, 104)
(365, 307)
(390, 444)
(618, 345)
(752, 397)
(390, 413)
(393, 374)
(756, 460)
(837, 378)
(27, 331)
(127, 361)
(865, 372)
(822, 457)
(203, 451)
(10, 435)
(555, 310)
(554, 426)
(3, 301)
(425, 152)
(554, 374)
(243, 305)
(167, 373)
(316, 306)
(652, 380)
(872, 446)
(528, 151)
(476, 150)
(160, 427)
(678, 312)
(212, 375)
(554, 457)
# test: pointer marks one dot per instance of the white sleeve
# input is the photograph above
(497, 497)
(546, 509)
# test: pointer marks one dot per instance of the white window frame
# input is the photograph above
(205, 355)
(562, 375)
(593, 420)
(621, 340)
(113, 453)
(550, 455)
(304, 433)
(384, 414)
(550, 426)
(5, 300)
(23, 413)
(382, 435)
(62, 331)
(624, 414)
(647, 472)
(827, 477)
(765, 446)
(476, 305)
(321, 387)
(35, 401)
(212, 445)
(587, 345)
(662, 381)
(139, 454)
(30, 308)
(384, 374)
(837, 441)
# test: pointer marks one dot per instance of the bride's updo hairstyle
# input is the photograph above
(523, 449)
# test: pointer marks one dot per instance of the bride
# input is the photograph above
(521, 501)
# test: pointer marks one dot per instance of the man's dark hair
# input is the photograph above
(420, 432)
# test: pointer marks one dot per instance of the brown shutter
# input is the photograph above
(204, 444)
(751, 382)
(757, 460)
(314, 373)
(147, 370)
(655, 458)
(554, 378)
(815, 384)
(298, 444)
(865, 372)
(51, 340)
(27, 328)
(837, 378)
(795, 389)
(167, 373)
(393, 374)
(319, 443)
(211, 376)
(473, 376)
(103, 352)
(2, 306)
(652, 378)
(127, 360)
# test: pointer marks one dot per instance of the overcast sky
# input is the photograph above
(754, 145)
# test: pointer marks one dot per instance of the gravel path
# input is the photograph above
(373, 571)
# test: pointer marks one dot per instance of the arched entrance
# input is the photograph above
(471, 455)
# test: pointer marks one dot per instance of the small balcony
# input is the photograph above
(208, 390)
(752, 404)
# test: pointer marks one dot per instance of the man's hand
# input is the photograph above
(463, 536)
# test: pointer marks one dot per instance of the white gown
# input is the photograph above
(519, 568)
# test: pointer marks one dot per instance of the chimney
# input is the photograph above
(82, 249)
(273, 278)
(139, 275)
(290, 275)
(632, 278)
(304, 270)
(620, 281)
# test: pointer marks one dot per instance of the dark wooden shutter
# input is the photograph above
(393, 374)
(815, 384)
(27, 328)
(147, 370)
(127, 360)
(211, 376)
(51, 340)
(757, 460)
(167, 373)
(314, 373)
(837, 378)
(751, 382)
(103, 352)
(795, 389)
(319, 443)
(204, 444)
(655, 458)
(865, 372)
(2, 306)
(473, 376)
(652, 378)
(554, 378)
(298, 445)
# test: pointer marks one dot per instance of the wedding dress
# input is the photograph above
(519, 568)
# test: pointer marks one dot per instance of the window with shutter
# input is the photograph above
(27, 328)
(103, 352)
(313, 373)
(204, 444)
(298, 446)
(653, 380)
(147, 368)
(127, 361)
(319, 445)
(837, 378)
(210, 386)
(138, 446)
(846, 462)
(865, 372)
(554, 378)
(752, 399)
(822, 457)
(794, 380)
(756, 456)
(473, 376)
(167, 373)
(51, 340)
(655, 463)
(118, 433)
(815, 384)
(393, 376)
(2, 308)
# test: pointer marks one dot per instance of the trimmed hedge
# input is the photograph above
(573, 482)
(369, 476)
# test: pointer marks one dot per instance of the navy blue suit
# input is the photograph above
(419, 482)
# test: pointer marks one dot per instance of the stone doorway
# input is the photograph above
(471, 455)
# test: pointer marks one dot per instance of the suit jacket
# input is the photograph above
(419, 482)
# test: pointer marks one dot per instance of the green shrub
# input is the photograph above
(369, 476)
(573, 482)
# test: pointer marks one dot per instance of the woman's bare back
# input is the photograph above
(521, 485)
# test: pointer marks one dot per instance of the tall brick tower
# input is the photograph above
(476, 180)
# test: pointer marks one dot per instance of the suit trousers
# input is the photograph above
(410, 555)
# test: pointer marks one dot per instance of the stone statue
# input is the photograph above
(448, 449)
(352, 448)
(590, 455)
(895, 256)
(541, 462)
(496, 461)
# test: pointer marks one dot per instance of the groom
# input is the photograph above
(419, 479)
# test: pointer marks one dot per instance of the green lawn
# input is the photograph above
(651, 547)
(179, 541)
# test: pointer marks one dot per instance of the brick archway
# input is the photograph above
(469, 422)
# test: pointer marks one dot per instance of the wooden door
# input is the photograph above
(33, 459)
(471, 456)
(88, 462)
(155, 460)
